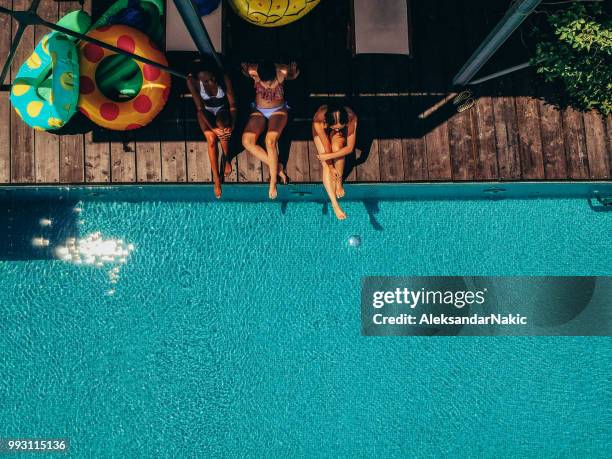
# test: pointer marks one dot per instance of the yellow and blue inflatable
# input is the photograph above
(46, 102)
(272, 13)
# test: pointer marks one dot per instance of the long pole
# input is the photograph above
(196, 29)
(502, 31)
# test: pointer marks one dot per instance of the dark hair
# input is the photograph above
(206, 64)
(266, 71)
(336, 114)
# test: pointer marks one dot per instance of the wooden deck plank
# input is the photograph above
(486, 160)
(389, 125)
(595, 130)
(174, 168)
(462, 146)
(298, 131)
(173, 152)
(250, 169)
(97, 160)
(487, 167)
(22, 136)
(437, 140)
(575, 144)
(413, 130)
(530, 137)
(96, 154)
(5, 106)
(198, 161)
(506, 134)
(148, 161)
(123, 161)
(461, 125)
(553, 143)
(47, 161)
(368, 151)
(71, 147)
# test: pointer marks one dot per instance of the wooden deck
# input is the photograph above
(406, 134)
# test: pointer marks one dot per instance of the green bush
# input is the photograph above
(576, 51)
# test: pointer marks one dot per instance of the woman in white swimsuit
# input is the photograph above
(269, 110)
(213, 96)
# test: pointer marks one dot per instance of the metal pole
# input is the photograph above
(196, 29)
(501, 73)
(502, 31)
(15, 43)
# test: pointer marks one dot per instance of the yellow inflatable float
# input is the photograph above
(272, 13)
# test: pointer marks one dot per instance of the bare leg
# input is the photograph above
(330, 180)
(253, 129)
(213, 155)
(276, 125)
(338, 142)
(223, 121)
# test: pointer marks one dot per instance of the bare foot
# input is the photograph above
(272, 193)
(339, 213)
(217, 190)
(228, 168)
(283, 176)
(339, 189)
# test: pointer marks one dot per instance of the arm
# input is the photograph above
(250, 70)
(231, 98)
(322, 135)
(288, 72)
(318, 127)
(350, 141)
(197, 99)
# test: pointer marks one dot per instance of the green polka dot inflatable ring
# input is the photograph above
(272, 13)
(45, 103)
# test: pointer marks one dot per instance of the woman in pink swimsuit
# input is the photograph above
(269, 111)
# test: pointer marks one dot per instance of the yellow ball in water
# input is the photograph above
(272, 13)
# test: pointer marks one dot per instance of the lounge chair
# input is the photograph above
(381, 27)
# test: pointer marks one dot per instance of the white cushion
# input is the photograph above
(177, 35)
(381, 27)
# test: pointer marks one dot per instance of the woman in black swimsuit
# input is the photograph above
(334, 131)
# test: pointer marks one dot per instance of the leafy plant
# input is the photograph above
(576, 51)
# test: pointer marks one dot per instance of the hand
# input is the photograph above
(222, 133)
(246, 69)
(324, 156)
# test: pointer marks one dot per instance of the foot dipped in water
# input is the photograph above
(340, 214)
(283, 176)
(272, 193)
(228, 168)
(339, 189)
(217, 189)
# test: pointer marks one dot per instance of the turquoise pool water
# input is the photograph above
(233, 330)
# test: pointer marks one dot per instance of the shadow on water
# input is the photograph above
(372, 208)
(598, 205)
(30, 230)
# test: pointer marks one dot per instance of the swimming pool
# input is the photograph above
(233, 329)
